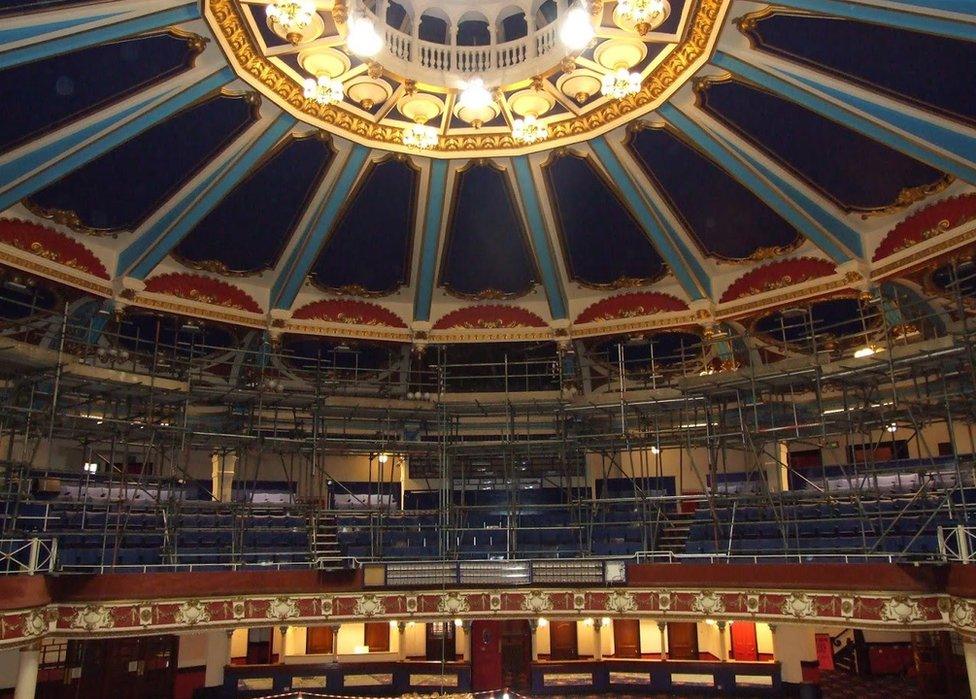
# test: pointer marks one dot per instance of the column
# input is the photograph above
(335, 641)
(223, 465)
(401, 640)
(598, 638)
(723, 652)
(792, 645)
(534, 627)
(30, 658)
(662, 629)
(466, 641)
(969, 648)
(218, 656)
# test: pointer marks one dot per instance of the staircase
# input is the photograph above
(673, 534)
(844, 646)
(323, 541)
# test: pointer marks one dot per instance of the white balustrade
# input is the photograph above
(421, 60)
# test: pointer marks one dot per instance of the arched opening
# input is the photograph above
(433, 29)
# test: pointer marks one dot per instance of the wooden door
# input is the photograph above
(682, 640)
(376, 636)
(259, 646)
(486, 656)
(516, 642)
(562, 640)
(626, 638)
(319, 640)
(440, 641)
(745, 647)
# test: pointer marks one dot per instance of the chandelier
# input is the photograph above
(620, 83)
(292, 16)
(420, 136)
(529, 129)
(323, 90)
(643, 14)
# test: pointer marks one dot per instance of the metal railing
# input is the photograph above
(957, 544)
(28, 556)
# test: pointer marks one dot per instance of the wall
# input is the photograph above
(9, 662)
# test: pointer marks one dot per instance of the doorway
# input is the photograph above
(682, 640)
(516, 646)
(626, 638)
(259, 646)
(440, 641)
(486, 656)
(745, 647)
(562, 640)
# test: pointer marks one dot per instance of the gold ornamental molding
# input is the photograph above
(249, 62)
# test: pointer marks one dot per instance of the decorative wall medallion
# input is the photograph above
(904, 610)
(411, 603)
(664, 601)
(282, 608)
(752, 603)
(495, 602)
(536, 602)
(145, 616)
(192, 613)
(847, 607)
(35, 624)
(91, 618)
(368, 606)
(963, 614)
(621, 602)
(453, 603)
(579, 601)
(239, 609)
(799, 605)
(708, 603)
(325, 606)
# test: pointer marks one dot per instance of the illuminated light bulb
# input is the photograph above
(620, 83)
(529, 129)
(323, 90)
(655, 450)
(292, 17)
(892, 428)
(577, 29)
(419, 136)
(866, 351)
(363, 39)
(383, 458)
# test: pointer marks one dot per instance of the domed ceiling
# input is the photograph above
(161, 154)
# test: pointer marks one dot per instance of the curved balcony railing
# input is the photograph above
(419, 59)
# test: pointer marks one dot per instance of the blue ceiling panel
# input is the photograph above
(123, 187)
(487, 249)
(602, 241)
(858, 173)
(247, 231)
(369, 249)
(725, 218)
(51, 92)
(919, 67)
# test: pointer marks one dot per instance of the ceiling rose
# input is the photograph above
(575, 61)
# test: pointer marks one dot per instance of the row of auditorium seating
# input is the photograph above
(880, 526)
(134, 534)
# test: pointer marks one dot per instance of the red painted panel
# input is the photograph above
(486, 656)
(744, 644)
(825, 651)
